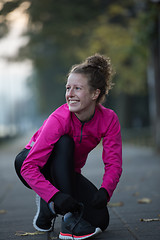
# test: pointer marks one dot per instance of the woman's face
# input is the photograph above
(80, 99)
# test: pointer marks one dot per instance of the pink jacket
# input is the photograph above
(104, 125)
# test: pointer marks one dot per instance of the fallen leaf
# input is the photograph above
(118, 204)
(2, 211)
(149, 219)
(136, 194)
(21, 233)
(144, 200)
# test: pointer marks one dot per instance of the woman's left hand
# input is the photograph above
(100, 198)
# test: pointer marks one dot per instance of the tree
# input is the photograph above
(153, 32)
(64, 32)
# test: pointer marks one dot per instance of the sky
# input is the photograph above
(13, 75)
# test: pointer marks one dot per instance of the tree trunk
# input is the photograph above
(156, 78)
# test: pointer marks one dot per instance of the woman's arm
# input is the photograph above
(38, 157)
(112, 156)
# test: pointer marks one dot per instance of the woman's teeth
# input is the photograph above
(72, 101)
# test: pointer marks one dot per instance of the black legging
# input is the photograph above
(59, 170)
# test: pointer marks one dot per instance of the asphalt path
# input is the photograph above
(134, 208)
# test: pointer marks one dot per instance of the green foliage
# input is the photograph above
(116, 39)
(64, 32)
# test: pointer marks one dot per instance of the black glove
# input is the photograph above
(64, 203)
(100, 198)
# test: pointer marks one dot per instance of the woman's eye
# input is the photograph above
(77, 88)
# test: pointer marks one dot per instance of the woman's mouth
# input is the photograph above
(72, 101)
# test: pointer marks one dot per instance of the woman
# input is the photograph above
(51, 162)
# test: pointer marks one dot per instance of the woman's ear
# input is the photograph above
(96, 94)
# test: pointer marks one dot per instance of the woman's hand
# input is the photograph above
(100, 198)
(64, 203)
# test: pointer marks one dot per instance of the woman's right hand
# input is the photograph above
(64, 203)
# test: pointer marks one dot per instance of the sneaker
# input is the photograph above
(75, 227)
(44, 216)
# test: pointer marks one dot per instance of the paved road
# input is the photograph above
(140, 179)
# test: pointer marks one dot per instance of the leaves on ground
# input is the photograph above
(2, 211)
(21, 233)
(144, 200)
(117, 204)
(136, 194)
(149, 219)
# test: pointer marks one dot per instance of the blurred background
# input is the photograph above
(41, 40)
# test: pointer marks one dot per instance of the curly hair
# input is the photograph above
(99, 72)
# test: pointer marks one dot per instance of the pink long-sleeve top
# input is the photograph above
(87, 135)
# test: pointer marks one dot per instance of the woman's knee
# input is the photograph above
(62, 154)
(20, 159)
(65, 143)
(18, 164)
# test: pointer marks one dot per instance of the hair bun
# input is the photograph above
(99, 61)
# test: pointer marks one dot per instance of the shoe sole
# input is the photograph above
(36, 216)
(69, 236)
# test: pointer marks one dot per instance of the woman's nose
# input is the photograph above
(71, 92)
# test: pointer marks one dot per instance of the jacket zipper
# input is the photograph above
(81, 132)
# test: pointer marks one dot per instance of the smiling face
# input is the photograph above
(79, 97)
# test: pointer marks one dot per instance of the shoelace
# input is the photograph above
(79, 218)
(53, 223)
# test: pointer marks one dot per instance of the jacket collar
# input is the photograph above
(79, 122)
